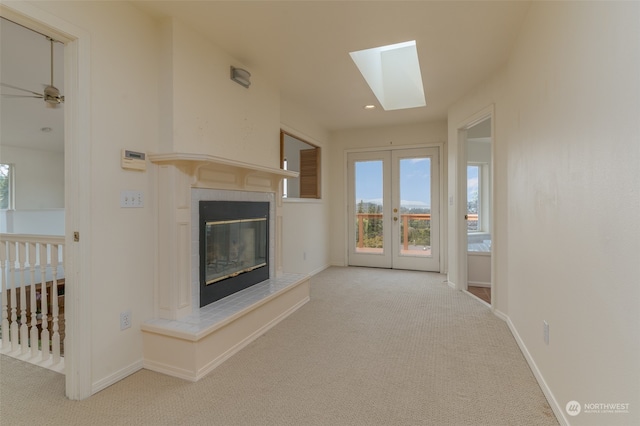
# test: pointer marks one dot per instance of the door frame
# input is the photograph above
(460, 241)
(442, 170)
(77, 157)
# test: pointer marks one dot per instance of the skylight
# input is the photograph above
(393, 73)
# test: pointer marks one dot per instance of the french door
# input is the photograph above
(394, 209)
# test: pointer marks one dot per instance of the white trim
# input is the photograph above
(460, 243)
(557, 409)
(553, 403)
(478, 284)
(501, 315)
(77, 76)
(476, 298)
(318, 270)
(116, 377)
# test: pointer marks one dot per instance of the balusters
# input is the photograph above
(24, 329)
(26, 315)
(44, 337)
(33, 332)
(12, 285)
(55, 337)
(3, 281)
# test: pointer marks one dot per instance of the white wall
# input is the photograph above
(214, 115)
(157, 86)
(567, 131)
(373, 138)
(305, 238)
(123, 114)
(39, 191)
(39, 177)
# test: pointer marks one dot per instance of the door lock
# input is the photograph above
(395, 218)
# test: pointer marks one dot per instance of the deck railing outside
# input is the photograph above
(405, 219)
(32, 298)
(472, 220)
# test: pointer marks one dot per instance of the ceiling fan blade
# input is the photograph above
(6, 95)
(20, 88)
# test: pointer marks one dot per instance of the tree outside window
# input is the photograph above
(5, 186)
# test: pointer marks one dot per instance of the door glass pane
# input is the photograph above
(415, 207)
(473, 180)
(478, 235)
(368, 202)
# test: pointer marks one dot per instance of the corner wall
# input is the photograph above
(567, 132)
(305, 230)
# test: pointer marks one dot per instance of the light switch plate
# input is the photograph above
(131, 199)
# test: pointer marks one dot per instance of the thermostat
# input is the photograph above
(132, 160)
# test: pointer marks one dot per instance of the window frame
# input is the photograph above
(312, 175)
(10, 186)
(483, 196)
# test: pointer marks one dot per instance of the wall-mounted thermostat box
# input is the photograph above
(132, 160)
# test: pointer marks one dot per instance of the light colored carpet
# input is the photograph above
(372, 347)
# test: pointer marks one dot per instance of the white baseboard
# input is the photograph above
(317, 271)
(478, 284)
(557, 409)
(115, 377)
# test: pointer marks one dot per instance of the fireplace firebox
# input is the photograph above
(234, 247)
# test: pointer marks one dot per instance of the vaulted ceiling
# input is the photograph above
(303, 47)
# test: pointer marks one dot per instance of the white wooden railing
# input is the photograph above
(32, 298)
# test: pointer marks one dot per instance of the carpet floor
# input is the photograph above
(372, 347)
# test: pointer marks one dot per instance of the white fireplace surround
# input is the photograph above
(187, 341)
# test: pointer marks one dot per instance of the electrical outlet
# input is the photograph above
(125, 320)
(545, 332)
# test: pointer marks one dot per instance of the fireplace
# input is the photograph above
(234, 247)
(189, 338)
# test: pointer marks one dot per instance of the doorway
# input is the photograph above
(393, 209)
(77, 198)
(478, 208)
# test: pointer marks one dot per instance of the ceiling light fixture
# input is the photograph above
(240, 76)
(369, 107)
(393, 73)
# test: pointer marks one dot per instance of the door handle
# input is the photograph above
(466, 217)
(395, 218)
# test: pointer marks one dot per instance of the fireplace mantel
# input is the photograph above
(178, 174)
(208, 170)
(183, 339)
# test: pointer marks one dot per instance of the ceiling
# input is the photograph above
(303, 47)
(25, 61)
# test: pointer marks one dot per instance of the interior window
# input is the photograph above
(6, 186)
(304, 157)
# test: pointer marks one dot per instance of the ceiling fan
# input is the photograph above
(51, 94)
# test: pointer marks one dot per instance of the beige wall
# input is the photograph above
(123, 114)
(305, 222)
(373, 138)
(39, 177)
(567, 177)
(214, 115)
(156, 86)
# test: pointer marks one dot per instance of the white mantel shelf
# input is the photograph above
(200, 160)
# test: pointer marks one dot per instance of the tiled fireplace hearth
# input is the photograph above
(185, 340)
